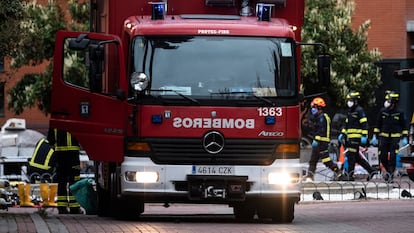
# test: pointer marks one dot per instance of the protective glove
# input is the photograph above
(314, 143)
(404, 141)
(374, 140)
(364, 140)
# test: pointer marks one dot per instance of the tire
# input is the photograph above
(109, 204)
(102, 193)
(244, 211)
(278, 210)
(284, 211)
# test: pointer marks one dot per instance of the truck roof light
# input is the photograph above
(264, 11)
(159, 10)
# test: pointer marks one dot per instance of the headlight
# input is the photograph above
(146, 177)
(142, 177)
(139, 81)
(282, 178)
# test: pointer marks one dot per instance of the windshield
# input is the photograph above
(202, 66)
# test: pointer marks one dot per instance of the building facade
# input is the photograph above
(392, 32)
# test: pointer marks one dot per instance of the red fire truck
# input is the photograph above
(186, 102)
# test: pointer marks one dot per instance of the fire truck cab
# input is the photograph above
(186, 102)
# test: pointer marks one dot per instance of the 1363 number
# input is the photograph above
(270, 111)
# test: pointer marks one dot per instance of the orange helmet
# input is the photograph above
(318, 102)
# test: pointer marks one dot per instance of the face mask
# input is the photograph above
(387, 104)
(314, 111)
(350, 103)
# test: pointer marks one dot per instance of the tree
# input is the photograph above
(36, 46)
(10, 16)
(352, 65)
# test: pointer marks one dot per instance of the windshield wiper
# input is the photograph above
(178, 93)
(250, 93)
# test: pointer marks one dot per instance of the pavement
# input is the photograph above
(47, 220)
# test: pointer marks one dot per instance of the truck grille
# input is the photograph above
(191, 151)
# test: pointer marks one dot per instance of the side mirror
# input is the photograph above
(79, 43)
(324, 70)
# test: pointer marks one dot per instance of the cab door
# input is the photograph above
(88, 92)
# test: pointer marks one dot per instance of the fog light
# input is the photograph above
(130, 176)
(146, 177)
(279, 178)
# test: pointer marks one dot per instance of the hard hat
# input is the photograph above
(319, 102)
(354, 95)
(392, 96)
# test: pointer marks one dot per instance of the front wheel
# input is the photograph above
(244, 211)
(108, 188)
(280, 210)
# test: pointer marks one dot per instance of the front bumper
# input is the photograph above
(179, 183)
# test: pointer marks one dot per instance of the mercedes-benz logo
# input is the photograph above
(213, 142)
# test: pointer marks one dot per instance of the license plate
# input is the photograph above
(213, 170)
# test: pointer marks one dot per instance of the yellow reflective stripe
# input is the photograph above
(49, 155)
(353, 130)
(364, 132)
(354, 135)
(38, 146)
(405, 132)
(68, 139)
(352, 150)
(362, 120)
(327, 159)
(62, 198)
(74, 205)
(324, 139)
(392, 135)
(66, 148)
(376, 130)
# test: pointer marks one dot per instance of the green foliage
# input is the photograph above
(38, 34)
(33, 90)
(353, 65)
(10, 15)
(79, 12)
(36, 45)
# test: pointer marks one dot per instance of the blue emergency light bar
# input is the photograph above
(264, 11)
(159, 10)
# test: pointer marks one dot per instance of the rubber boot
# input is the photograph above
(24, 195)
(44, 193)
(52, 194)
